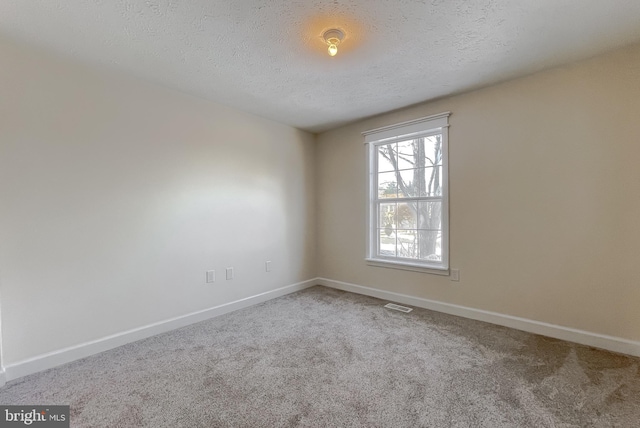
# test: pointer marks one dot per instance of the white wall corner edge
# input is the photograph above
(76, 352)
(596, 340)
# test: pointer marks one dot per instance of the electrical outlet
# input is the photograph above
(211, 276)
(455, 275)
(267, 266)
(229, 273)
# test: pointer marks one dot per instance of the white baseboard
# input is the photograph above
(596, 340)
(66, 355)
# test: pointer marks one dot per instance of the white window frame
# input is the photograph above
(425, 126)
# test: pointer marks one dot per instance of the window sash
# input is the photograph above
(420, 128)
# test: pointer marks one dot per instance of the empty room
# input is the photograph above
(319, 213)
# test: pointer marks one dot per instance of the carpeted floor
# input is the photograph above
(325, 358)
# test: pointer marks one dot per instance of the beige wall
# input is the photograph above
(117, 196)
(545, 212)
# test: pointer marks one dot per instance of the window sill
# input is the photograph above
(407, 266)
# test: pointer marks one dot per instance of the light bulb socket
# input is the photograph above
(333, 38)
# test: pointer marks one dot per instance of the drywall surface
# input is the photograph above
(544, 213)
(116, 196)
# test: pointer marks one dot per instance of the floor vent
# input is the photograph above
(398, 307)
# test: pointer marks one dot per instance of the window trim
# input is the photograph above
(424, 126)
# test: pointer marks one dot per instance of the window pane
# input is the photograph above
(433, 150)
(407, 218)
(385, 152)
(386, 243)
(407, 152)
(430, 215)
(430, 245)
(387, 185)
(408, 187)
(406, 244)
(407, 194)
(387, 217)
(430, 181)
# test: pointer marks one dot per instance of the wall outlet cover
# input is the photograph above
(211, 276)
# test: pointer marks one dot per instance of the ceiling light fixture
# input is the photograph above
(333, 38)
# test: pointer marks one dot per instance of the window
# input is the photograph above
(408, 195)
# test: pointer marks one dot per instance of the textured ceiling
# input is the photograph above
(268, 58)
